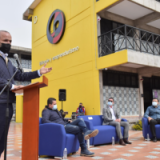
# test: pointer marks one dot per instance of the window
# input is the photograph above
(26, 61)
(155, 82)
(120, 79)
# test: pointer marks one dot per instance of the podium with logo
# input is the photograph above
(30, 128)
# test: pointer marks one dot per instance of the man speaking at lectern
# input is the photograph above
(6, 72)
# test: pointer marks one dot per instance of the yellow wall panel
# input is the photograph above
(113, 59)
(43, 12)
(19, 109)
(78, 34)
(78, 6)
(80, 88)
(77, 71)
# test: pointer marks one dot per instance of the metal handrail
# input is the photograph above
(128, 37)
(128, 26)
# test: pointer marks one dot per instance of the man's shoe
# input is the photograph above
(126, 141)
(87, 153)
(90, 133)
(154, 139)
(121, 142)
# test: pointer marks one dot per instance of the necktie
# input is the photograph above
(6, 59)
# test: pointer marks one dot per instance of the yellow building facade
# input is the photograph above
(76, 72)
(81, 71)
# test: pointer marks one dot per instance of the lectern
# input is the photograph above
(30, 128)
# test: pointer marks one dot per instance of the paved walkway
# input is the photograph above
(139, 150)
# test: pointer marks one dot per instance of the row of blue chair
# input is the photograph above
(146, 129)
(53, 138)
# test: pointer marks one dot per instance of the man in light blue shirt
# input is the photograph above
(153, 115)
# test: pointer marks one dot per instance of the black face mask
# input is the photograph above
(5, 48)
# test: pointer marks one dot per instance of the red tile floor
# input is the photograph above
(139, 150)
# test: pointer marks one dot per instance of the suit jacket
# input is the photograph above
(52, 116)
(6, 72)
(107, 115)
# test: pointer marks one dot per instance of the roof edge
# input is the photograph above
(30, 10)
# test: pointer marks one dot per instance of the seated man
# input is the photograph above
(80, 110)
(51, 115)
(153, 115)
(112, 117)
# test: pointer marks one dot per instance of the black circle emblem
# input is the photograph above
(58, 18)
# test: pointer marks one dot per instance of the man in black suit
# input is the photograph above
(6, 72)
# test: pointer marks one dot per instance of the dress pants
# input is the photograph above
(78, 127)
(118, 128)
(3, 123)
(152, 123)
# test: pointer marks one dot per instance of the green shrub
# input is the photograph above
(138, 126)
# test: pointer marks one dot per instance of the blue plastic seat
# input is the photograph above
(106, 132)
(53, 139)
(146, 129)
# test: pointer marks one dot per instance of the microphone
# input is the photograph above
(18, 62)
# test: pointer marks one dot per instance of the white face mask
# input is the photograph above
(54, 107)
(110, 103)
(154, 104)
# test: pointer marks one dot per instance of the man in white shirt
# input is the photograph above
(112, 117)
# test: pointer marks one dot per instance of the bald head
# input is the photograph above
(5, 37)
(5, 41)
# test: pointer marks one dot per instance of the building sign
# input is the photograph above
(58, 19)
(60, 55)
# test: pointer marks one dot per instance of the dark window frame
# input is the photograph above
(155, 82)
(121, 81)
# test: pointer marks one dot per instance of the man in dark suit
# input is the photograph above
(112, 117)
(78, 127)
(6, 72)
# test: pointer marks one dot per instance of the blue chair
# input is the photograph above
(146, 129)
(53, 139)
(106, 132)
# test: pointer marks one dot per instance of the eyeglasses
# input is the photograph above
(110, 101)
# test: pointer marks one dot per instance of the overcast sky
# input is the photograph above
(11, 12)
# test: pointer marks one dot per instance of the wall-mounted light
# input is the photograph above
(98, 18)
(35, 19)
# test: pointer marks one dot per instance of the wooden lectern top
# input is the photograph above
(36, 84)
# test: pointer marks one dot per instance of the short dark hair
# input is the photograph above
(112, 98)
(50, 100)
(155, 98)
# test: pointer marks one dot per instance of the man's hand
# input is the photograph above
(17, 87)
(45, 70)
(70, 120)
(118, 120)
(149, 118)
